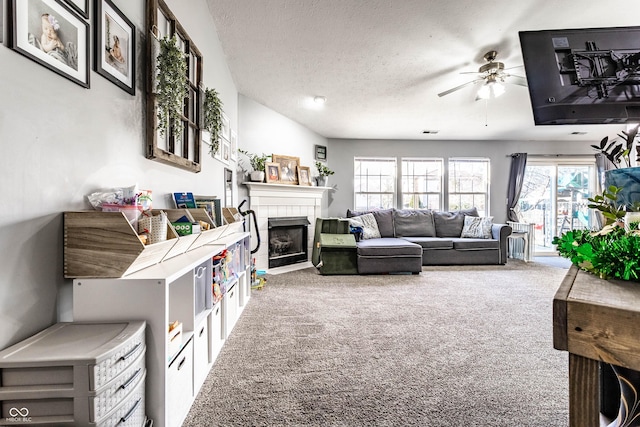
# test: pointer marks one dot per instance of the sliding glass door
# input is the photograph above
(554, 198)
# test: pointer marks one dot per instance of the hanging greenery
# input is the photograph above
(172, 86)
(213, 118)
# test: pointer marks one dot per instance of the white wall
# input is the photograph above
(263, 130)
(61, 142)
(342, 152)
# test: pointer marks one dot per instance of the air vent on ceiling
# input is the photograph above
(430, 132)
(578, 133)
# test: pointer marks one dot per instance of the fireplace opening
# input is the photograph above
(288, 240)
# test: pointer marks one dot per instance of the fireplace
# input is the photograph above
(288, 240)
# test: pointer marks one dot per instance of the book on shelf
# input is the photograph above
(213, 207)
(184, 200)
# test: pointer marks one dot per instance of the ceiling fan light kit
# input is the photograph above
(493, 74)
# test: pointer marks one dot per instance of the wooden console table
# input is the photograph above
(595, 321)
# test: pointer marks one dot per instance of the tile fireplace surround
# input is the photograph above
(277, 201)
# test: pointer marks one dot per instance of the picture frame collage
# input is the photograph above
(287, 170)
(56, 34)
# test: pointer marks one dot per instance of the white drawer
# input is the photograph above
(180, 386)
(103, 372)
(117, 390)
(231, 308)
(131, 412)
(201, 358)
(216, 332)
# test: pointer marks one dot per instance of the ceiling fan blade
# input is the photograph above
(517, 80)
(447, 92)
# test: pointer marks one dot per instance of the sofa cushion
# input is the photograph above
(431, 242)
(368, 224)
(414, 223)
(450, 224)
(478, 227)
(466, 244)
(388, 247)
(384, 218)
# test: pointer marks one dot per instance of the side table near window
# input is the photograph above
(521, 241)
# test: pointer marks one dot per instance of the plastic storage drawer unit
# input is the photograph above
(76, 373)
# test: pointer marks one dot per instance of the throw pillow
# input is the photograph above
(477, 227)
(368, 224)
(414, 223)
(384, 218)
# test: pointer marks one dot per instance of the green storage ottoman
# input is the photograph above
(338, 254)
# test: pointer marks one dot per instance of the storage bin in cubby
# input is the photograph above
(184, 243)
(104, 244)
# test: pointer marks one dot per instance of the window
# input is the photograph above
(374, 183)
(421, 183)
(469, 184)
(183, 152)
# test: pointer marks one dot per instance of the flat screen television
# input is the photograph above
(583, 76)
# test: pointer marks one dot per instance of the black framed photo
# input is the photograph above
(80, 6)
(321, 153)
(115, 45)
(54, 36)
(1, 20)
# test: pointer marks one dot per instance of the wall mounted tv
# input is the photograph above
(583, 76)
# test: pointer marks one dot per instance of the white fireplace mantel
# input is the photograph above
(282, 200)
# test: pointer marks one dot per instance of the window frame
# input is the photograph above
(402, 176)
(393, 193)
(186, 153)
(487, 191)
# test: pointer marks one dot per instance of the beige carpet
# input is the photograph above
(453, 346)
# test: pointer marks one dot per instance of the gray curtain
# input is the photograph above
(516, 179)
(602, 165)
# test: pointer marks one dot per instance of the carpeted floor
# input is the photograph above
(453, 346)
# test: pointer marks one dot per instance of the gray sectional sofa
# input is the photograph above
(407, 239)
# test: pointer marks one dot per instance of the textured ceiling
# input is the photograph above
(381, 63)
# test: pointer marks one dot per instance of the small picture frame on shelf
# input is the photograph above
(304, 175)
(272, 172)
(321, 153)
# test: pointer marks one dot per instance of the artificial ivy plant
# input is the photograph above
(213, 118)
(172, 86)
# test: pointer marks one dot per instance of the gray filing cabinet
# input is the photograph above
(76, 374)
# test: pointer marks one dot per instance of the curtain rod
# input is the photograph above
(553, 155)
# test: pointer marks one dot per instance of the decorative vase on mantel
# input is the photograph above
(629, 180)
(322, 181)
(256, 176)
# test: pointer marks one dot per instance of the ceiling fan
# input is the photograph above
(492, 74)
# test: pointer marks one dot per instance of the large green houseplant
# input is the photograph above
(624, 176)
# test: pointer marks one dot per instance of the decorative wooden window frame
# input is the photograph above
(186, 153)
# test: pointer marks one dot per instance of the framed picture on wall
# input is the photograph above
(321, 153)
(288, 168)
(115, 46)
(234, 145)
(1, 20)
(54, 36)
(226, 151)
(80, 6)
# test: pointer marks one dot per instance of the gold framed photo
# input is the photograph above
(272, 172)
(288, 168)
(304, 175)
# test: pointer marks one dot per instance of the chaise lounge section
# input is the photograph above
(403, 240)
